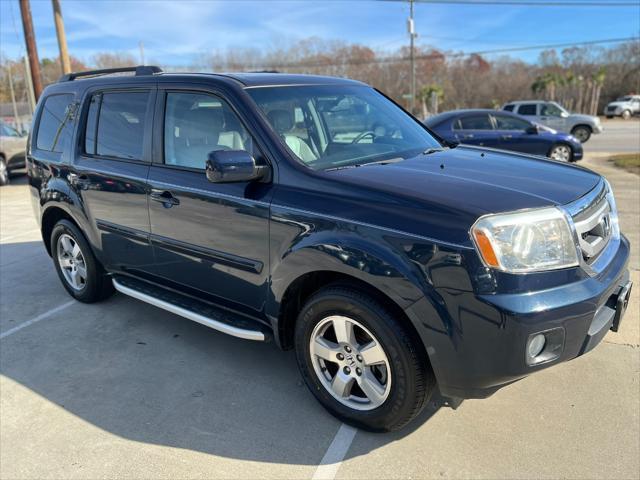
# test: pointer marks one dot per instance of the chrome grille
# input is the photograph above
(593, 227)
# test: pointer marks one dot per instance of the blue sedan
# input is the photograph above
(506, 131)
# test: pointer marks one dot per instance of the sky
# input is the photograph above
(178, 32)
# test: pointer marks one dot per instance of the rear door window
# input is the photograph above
(56, 119)
(476, 122)
(508, 108)
(527, 109)
(116, 124)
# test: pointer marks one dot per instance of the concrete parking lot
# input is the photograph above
(122, 389)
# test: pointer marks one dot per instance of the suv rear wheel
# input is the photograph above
(360, 362)
(80, 272)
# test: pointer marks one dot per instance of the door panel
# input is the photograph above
(207, 237)
(110, 175)
(216, 239)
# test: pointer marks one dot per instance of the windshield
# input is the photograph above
(334, 126)
(625, 99)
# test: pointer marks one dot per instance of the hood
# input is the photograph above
(456, 186)
(581, 117)
(618, 104)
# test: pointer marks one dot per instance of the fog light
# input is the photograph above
(536, 345)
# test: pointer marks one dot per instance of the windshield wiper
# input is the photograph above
(357, 165)
(429, 151)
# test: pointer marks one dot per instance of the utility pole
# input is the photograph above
(32, 51)
(62, 37)
(412, 35)
(28, 80)
(17, 122)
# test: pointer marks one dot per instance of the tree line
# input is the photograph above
(583, 79)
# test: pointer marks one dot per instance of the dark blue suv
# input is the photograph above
(505, 131)
(315, 212)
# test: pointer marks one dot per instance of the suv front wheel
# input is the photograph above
(360, 362)
(582, 133)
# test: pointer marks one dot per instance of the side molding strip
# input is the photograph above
(183, 312)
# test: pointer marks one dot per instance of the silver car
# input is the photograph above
(13, 147)
(555, 116)
(623, 107)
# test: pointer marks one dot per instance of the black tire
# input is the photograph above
(582, 133)
(4, 171)
(609, 116)
(97, 285)
(626, 115)
(413, 381)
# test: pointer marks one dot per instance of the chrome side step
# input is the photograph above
(191, 315)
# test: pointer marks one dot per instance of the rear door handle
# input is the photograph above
(165, 197)
(507, 137)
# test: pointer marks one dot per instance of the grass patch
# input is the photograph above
(628, 161)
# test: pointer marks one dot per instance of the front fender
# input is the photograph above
(404, 267)
(376, 264)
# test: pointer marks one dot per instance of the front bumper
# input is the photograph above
(597, 128)
(478, 342)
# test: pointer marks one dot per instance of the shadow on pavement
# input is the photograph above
(146, 375)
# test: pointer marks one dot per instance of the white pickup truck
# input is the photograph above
(623, 107)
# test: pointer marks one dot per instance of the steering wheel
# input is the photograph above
(368, 133)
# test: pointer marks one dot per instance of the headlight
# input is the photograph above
(613, 211)
(527, 241)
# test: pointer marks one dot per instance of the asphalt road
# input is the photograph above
(619, 136)
(122, 389)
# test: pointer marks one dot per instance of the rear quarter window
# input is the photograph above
(55, 125)
(508, 108)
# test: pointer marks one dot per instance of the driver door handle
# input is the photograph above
(165, 197)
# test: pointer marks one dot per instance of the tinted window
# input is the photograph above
(476, 122)
(527, 109)
(505, 122)
(55, 123)
(508, 108)
(196, 124)
(121, 124)
(92, 124)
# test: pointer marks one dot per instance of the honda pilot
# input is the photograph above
(316, 213)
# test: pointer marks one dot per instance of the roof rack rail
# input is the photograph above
(140, 70)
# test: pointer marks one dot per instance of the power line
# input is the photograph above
(440, 55)
(526, 3)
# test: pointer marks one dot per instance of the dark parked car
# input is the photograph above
(315, 212)
(506, 131)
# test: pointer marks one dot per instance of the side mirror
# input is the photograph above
(226, 166)
(532, 130)
(564, 115)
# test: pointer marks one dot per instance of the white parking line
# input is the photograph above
(43, 316)
(332, 459)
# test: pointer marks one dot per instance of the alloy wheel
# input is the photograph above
(582, 134)
(71, 261)
(561, 152)
(350, 362)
